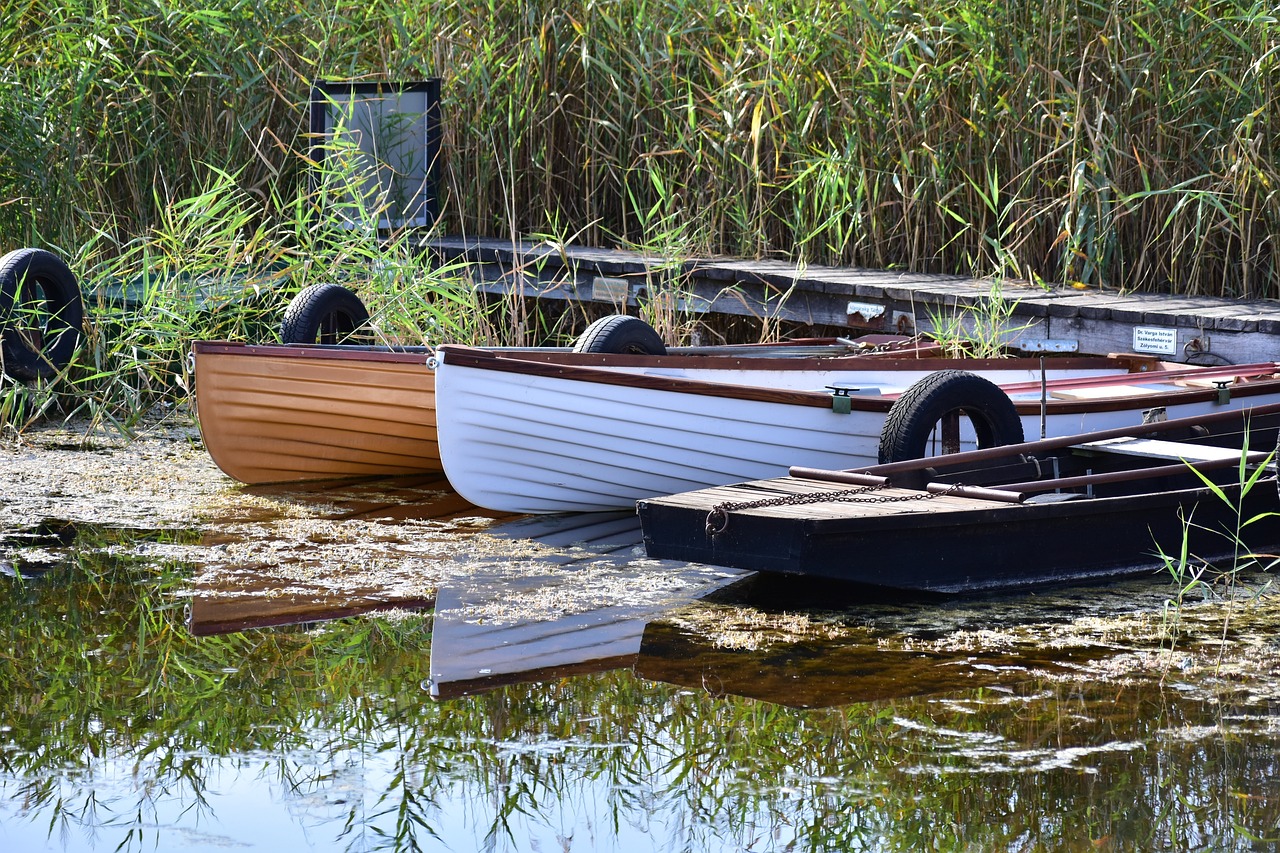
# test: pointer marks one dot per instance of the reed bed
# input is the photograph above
(1123, 144)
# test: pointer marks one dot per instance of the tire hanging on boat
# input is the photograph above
(41, 314)
(915, 415)
(323, 314)
(620, 333)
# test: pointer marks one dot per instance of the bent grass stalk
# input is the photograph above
(1195, 574)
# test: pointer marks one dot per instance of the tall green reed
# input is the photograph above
(214, 268)
(1192, 573)
(1113, 143)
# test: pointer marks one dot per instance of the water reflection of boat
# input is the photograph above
(526, 436)
(289, 413)
(578, 570)
(813, 673)
(798, 672)
(1077, 508)
(586, 613)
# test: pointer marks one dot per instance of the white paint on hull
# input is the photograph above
(538, 444)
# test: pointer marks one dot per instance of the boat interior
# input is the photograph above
(1181, 457)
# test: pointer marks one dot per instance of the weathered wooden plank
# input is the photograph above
(1100, 321)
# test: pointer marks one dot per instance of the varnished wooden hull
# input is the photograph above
(274, 414)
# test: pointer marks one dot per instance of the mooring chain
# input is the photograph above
(718, 517)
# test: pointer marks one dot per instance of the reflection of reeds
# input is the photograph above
(1122, 143)
(114, 713)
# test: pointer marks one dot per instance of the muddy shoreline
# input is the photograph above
(293, 552)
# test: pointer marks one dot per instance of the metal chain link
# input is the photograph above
(718, 517)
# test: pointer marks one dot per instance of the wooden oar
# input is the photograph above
(1263, 368)
(1045, 444)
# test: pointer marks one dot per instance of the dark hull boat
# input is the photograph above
(1087, 507)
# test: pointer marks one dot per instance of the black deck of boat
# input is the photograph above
(948, 543)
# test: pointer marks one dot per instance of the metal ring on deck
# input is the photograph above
(717, 521)
(432, 362)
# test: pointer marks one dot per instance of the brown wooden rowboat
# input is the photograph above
(271, 414)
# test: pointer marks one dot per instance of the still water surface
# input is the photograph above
(159, 694)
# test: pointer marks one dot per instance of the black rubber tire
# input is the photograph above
(323, 314)
(914, 416)
(620, 333)
(41, 312)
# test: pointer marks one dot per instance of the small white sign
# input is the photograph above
(615, 290)
(1149, 339)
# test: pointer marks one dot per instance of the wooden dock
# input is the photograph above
(1204, 330)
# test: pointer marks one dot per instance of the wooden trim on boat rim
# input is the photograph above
(416, 355)
(458, 356)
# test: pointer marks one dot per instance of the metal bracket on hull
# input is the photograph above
(841, 392)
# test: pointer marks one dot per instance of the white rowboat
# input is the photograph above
(522, 436)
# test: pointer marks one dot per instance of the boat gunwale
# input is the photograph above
(814, 348)
(316, 352)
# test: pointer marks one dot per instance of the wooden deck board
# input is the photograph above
(1098, 320)
(782, 487)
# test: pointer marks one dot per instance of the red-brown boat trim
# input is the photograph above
(417, 356)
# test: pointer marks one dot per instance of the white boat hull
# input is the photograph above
(528, 443)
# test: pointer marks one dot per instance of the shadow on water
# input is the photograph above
(630, 704)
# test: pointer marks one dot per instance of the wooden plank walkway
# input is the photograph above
(1206, 330)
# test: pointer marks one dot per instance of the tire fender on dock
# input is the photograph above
(323, 314)
(620, 333)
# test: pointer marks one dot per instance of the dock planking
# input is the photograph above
(1179, 328)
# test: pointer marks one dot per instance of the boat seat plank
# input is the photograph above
(1104, 392)
(1153, 448)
